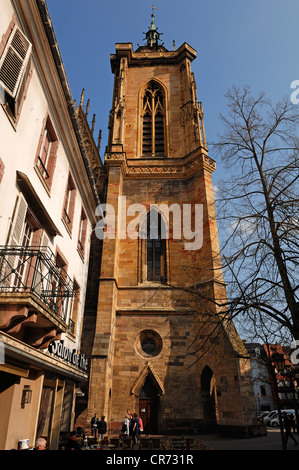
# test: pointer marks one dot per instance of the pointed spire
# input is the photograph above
(93, 123)
(87, 108)
(152, 36)
(82, 97)
(99, 140)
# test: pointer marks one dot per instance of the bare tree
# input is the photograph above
(257, 208)
(257, 214)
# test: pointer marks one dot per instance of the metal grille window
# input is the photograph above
(43, 274)
(153, 121)
(27, 264)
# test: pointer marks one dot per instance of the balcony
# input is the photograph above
(35, 294)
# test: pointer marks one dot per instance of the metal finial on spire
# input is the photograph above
(153, 17)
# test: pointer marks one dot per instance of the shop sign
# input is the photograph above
(69, 355)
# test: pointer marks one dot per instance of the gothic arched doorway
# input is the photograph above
(149, 406)
(208, 398)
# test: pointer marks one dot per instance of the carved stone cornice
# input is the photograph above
(145, 56)
(161, 168)
(115, 159)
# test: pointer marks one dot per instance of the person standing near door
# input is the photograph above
(136, 429)
(102, 428)
(94, 426)
(130, 421)
(127, 423)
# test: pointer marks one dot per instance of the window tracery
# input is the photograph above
(153, 121)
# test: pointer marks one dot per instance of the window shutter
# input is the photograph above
(16, 231)
(21, 89)
(15, 239)
(15, 62)
(44, 241)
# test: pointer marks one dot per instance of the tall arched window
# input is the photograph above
(156, 248)
(153, 117)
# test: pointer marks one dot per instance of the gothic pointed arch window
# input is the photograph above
(156, 248)
(153, 120)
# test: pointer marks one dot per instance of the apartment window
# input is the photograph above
(47, 152)
(153, 117)
(69, 203)
(15, 69)
(82, 232)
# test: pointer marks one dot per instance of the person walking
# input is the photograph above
(102, 427)
(288, 429)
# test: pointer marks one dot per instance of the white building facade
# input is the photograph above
(48, 199)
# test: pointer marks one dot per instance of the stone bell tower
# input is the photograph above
(155, 349)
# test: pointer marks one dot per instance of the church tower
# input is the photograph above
(160, 348)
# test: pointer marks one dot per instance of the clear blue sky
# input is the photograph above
(238, 42)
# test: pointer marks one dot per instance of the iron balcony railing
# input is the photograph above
(35, 270)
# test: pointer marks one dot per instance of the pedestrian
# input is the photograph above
(140, 424)
(288, 428)
(94, 426)
(293, 423)
(131, 419)
(127, 423)
(72, 443)
(80, 432)
(136, 429)
(40, 444)
(125, 429)
(102, 428)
